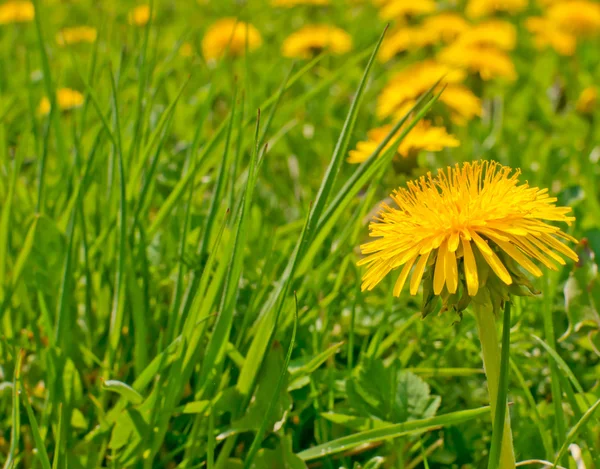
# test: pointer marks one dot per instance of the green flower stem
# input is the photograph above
(486, 328)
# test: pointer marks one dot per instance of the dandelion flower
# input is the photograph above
(66, 99)
(140, 15)
(76, 35)
(479, 8)
(462, 103)
(393, 9)
(547, 34)
(578, 17)
(413, 81)
(488, 62)
(463, 222)
(445, 27)
(423, 136)
(404, 39)
(230, 36)
(293, 3)
(587, 100)
(304, 42)
(16, 12)
(491, 33)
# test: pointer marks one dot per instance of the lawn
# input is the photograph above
(225, 242)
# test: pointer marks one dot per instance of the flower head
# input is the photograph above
(466, 226)
(491, 33)
(479, 8)
(423, 136)
(140, 15)
(488, 62)
(445, 27)
(66, 99)
(408, 84)
(76, 35)
(461, 102)
(547, 34)
(16, 12)
(305, 41)
(587, 101)
(579, 17)
(230, 36)
(393, 9)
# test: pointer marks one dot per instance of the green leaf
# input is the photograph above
(393, 431)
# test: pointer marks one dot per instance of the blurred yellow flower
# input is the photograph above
(488, 62)
(479, 8)
(186, 50)
(579, 17)
(304, 42)
(406, 38)
(462, 103)
(439, 221)
(229, 36)
(547, 34)
(140, 15)
(393, 9)
(16, 12)
(293, 3)
(491, 33)
(423, 136)
(76, 35)
(587, 101)
(405, 86)
(66, 99)
(445, 27)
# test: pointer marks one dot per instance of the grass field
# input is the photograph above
(185, 190)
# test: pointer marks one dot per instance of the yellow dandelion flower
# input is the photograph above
(491, 33)
(547, 34)
(462, 103)
(66, 99)
(393, 9)
(423, 136)
(586, 103)
(445, 27)
(578, 17)
(230, 36)
(293, 3)
(16, 12)
(460, 222)
(76, 35)
(413, 81)
(479, 8)
(140, 15)
(488, 62)
(304, 42)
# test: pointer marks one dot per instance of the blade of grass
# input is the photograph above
(35, 431)
(15, 429)
(392, 431)
(502, 398)
(575, 431)
(254, 447)
(535, 415)
(117, 312)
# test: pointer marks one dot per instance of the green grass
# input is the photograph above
(178, 279)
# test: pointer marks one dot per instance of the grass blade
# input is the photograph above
(15, 429)
(393, 431)
(501, 401)
(575, 431)
(254, 447)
